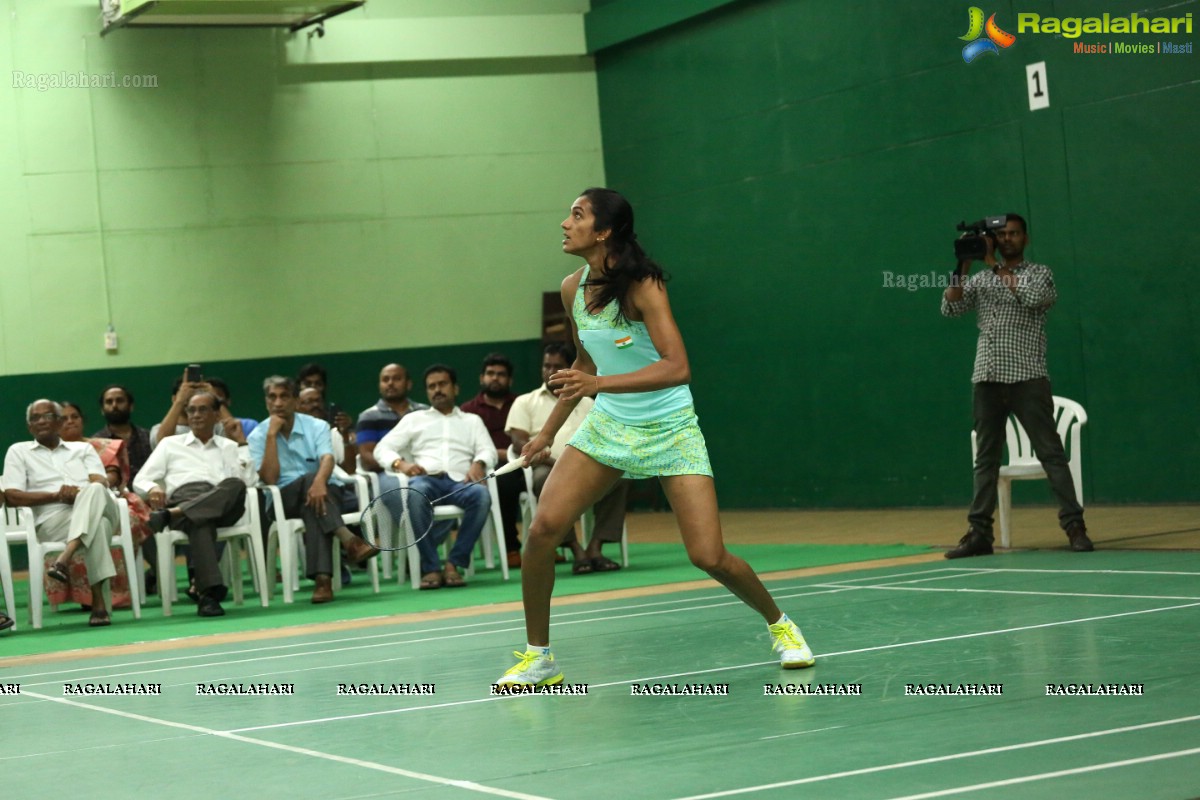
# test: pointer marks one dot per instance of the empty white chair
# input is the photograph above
(6, 577)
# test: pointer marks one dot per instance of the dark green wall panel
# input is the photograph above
(782, 156)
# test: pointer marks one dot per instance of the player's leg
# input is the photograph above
(575, 483)
(694, 501)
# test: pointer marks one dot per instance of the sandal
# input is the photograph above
(582, 566)
(602, 564)
(58, 571)
(6, 622)
(451, 577)
(431, 580)
(99, 619)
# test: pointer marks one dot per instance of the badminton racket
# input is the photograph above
(409, 512)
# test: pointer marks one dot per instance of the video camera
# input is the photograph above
(971, 246)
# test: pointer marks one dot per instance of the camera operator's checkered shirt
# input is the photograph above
(1012, 327)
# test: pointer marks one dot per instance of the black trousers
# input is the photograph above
(318, 528)
(1032, 403)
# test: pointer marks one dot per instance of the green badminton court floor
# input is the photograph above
(942, 679)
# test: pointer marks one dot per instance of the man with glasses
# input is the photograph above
(205, 478)
(65, 485)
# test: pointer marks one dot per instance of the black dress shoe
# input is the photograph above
(210, 607)
(973, 543)
(1080, 543)
(160, 520)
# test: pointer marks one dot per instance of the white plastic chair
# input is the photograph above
(287, 536)
(1023, 464)
(493, 529)
(246, 532)
(586, 523)
(19, 528)
(6, 577)
(387, 534)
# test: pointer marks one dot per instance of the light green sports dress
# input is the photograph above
(646, 434)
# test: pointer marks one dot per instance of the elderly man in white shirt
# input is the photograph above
(441, 450)
(526, 418)
(205, 478)
(65, 484)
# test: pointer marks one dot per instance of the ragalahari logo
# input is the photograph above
(977, 44)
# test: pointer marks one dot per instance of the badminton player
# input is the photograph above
(631, 357)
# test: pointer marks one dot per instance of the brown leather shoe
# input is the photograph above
(359, 550)
(1077, 534)
(514, 559)
(323, 593)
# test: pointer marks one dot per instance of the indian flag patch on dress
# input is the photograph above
(623, 342)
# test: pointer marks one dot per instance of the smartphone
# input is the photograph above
(333, 410)
(193, 373)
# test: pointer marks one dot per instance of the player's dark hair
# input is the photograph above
(1017, 218)
(626, 263)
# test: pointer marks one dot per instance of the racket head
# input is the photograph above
(397, 519)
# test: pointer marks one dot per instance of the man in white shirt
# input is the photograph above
(443, 449)
(528, 414)
(65, 484)
(205, 478)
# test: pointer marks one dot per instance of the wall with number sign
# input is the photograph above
(800, 167)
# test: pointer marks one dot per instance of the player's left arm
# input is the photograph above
(648, 299)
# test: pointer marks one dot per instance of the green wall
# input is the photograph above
(293, 209)
(255, 210)
(783, 154)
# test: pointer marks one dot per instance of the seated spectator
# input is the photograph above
(345, 451)
(228, 426)
(197, 483)
(529, 413)
(493, 402)
(116, 402)
(64, 484)
(312, 376)
(295, 452)
(376, 421)
(441, 449)
(116, 467)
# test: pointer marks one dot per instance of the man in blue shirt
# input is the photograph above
(294, 452)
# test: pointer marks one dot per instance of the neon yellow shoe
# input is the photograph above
(789, 643)
(534, 669)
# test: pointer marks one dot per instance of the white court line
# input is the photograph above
(898, 588)
(397, 635)
(799, 733)
(941, 759)
(1057, 774)
(732, 601)
(304, 751)
(690, 673)
(1079, 571)
(277, 675)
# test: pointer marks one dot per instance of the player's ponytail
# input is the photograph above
(626, 262)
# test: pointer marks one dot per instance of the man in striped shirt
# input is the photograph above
(1010, 377)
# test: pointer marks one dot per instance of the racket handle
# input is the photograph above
(515, 464)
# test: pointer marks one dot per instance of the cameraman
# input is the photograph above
(1011, 299)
